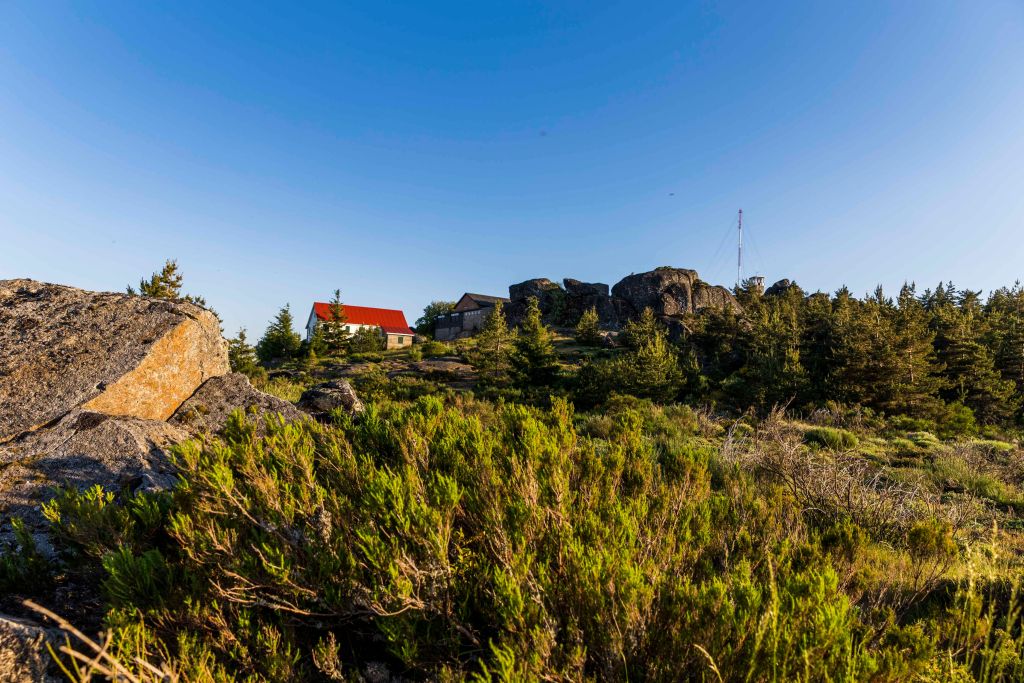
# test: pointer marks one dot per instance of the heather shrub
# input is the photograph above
(832, 438)
(469, 540)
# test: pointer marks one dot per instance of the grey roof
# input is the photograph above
(486, 299)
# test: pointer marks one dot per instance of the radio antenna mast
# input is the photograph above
(739, 250)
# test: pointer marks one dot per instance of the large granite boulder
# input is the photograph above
(582, 296)
(550, 299)
(540, 287)
(208, 409)
(62, 348)
(323, 398)
(670, 293)
(82, 449)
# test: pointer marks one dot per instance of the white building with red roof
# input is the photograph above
(389, 322)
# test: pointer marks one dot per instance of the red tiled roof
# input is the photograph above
(391, 321)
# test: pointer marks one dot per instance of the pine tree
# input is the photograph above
(279, 342)
(970, 371)
(636, 333)
(366, 340)
(334, 338)
(242, 356)
(535, 354)
(1005, 313)
(652, 370)
(651, 367)
(772, 373)
(588, 331)
(494, 346)
(916, 376)
(165, 285)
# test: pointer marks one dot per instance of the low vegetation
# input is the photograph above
(738, 502)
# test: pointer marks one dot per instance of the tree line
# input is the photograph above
(945, 354)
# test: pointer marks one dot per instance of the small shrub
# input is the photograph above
(23, 569)
(925, 442)
(433, 348)
(832, 438)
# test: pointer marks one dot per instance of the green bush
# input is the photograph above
(433, 348)
(23, 568)
(925, 442)
(831, 438)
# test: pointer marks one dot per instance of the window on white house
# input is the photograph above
(401, 340)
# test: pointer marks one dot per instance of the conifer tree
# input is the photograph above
(588, 331)
(242, 356)
(494, 346)
(1005, 311)
(366, 340)
(333, 337)
(636, 333)
(772, 373)
(279, 342)
(970, 371)
(651, 368)
(916, 376)
(535, 354)
(165, 285)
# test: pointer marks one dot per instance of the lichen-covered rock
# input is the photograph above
(84, 448)
(323, 398)
(670, 293)
(208, 409)
(62, 348)
(23, 654)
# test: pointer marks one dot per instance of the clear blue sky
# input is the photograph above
(412, 151)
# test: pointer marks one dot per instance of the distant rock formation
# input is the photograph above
(671, 293)
(782, 287)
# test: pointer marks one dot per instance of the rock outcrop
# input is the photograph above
(781, 287)
(94, 387)
(84, 448)
(208, 409)
(670, 292)
(540, 287)
(323, 398)
(62, 348)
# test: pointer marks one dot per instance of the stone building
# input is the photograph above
(467, 317)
